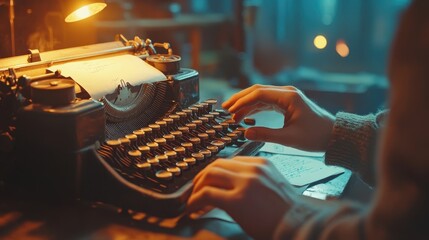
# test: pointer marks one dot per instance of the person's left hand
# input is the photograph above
(249, 189)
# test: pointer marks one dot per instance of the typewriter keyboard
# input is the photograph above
(166, 155)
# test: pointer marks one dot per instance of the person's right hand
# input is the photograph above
(306, 125)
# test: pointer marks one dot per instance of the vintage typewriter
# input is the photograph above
(138, 147)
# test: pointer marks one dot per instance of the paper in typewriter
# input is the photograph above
(102, 76)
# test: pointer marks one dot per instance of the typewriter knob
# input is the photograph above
(213, 149)
(162, 157)
(218, 144)
(167, 64)
(53, 92)
(211, 132)
(191, 126)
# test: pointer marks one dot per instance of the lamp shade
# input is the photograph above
(76, 10)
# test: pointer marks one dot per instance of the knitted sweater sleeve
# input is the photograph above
(353, 143)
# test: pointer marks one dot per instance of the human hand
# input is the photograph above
(249, 189)
(306, 125)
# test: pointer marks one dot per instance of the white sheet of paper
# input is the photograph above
(300, 170)
(280, 149)
(102, 76)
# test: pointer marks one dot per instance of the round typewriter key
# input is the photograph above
(218, 144)
(207, 153)
(181, 114)
(203, 119)
(211, 132)
(225, 126)
(217, 128)
(191, 126)
(174, 170)
(213, 149)
(216, 114)
(161, 124)
(171, 154)
(179, 150)
(168, 120)
(233, 136)
(226, 140)
(154, 127)
(187, 145)
(144, 149)
(182, 165)
(125, 141)
(194, 110)
(195, 140)
(135, 154)
(197, 122)
(198, 156)
(176, 133)
(147, 130)
(139, 133)
(188, 112)
(113, 143)
(164, 175)
(153, 146)
(190, 160)
(209, 116)
(162, 157)
(153, 161)
(183, 129)
(211, 101)
(175, 117)
(203, 136)
(144, 166)
(169, 137)
(161, 141)
(132, 137)
(238, 133)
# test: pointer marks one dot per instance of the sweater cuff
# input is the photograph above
(352, 144)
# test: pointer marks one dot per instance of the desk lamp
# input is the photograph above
(75, 10)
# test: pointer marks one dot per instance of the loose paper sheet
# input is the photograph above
(301, 170)
(103, 76)
(280, 149)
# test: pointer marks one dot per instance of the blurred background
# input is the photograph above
(335, 51)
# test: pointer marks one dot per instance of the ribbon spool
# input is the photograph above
(167, 64)
(53, 92)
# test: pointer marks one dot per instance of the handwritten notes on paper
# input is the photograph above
(303, 170)
(102, 76)
(281, 149)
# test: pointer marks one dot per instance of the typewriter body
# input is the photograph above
(138, 147)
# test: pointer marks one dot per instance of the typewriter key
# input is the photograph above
(226, 140)
(218, 144)
(213, 149)
(198, 156)
(174, 170)
(153, 161)
(162, 158)
(180, 150)
(182, 165)
(145, 166)
(164, 175)
(207, 153)
(171, 154)
(190, 160)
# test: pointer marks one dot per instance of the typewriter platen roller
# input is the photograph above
(140, 153)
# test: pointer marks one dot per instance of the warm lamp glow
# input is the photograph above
(320, 42)
(342, 48)
(85, 11)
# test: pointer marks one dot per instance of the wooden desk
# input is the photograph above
(192, 23)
